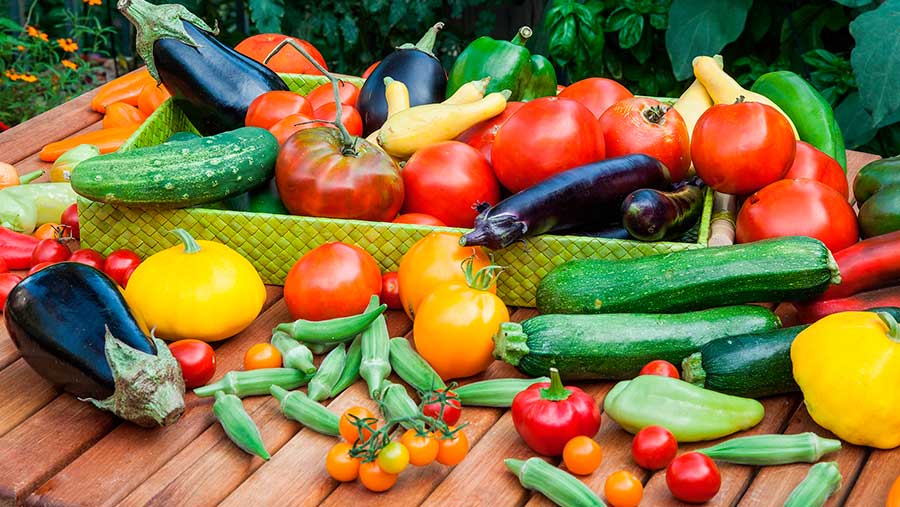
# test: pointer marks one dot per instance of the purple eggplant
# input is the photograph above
(654, 215)
(589, 195)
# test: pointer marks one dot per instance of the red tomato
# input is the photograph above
(39, 266)
(544, 137)
(418, 218)
(7, 282)
(390, 290)
(197, 361)
(654, 447)
(3, 266)
(70, 219)
(324, 94)
(120, 265)
(288, 60)
(333, 280)
(693, 477)
(452, 408)
(812, 164)
(290, 125)
(371, 68)
(90, 257)
(798, 208)
(272, 107)
(644, 125)
(661, 368)
(449, 180)
(596, 93)
(740, 148)
(50, 250)
(349, 116)
(483, 134)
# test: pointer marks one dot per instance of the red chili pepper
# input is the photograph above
(869, 264)
(815, 310)
(548, 415)
(16, 248)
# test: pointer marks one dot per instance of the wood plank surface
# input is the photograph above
(22, 393)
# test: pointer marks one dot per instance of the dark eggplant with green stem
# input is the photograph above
(655, 215)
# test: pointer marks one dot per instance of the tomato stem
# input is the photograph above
(656, 114)
(484, 278)
(557, 391)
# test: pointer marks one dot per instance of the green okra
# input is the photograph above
(320, 348)
(375, 366)
(558, 485)
(297, 406)
(412, 368)
(822, 481)
(773, 449)
(238, 425)
(330, 331)
(495, 392)
(255, 382)
(351, 368)
(396, 404)
(293, 353)
(329, 372)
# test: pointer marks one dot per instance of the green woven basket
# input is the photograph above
(273, 243)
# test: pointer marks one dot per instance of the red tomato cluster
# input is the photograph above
(285, 113)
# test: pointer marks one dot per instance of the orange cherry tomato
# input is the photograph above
(262, 355)
(582, 455)
(271, 107)
(423, 450)
(151, 97)
(348, 430)
(374, 478)
(419, 218)
(340, 466)
(290, 125)
(623, 489)
(50, 231)
(324, 94)
(453, 450)
(120, 114)
(349, 116)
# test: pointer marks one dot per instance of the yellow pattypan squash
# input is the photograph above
(197, 289)
(848, 367)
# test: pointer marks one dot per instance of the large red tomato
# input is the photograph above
(448, 180)
(813, 164)
(596, 93)
(644, 125)
(330, 281)
(740, 148)
(482, 135)
(288, 60)
(544, 137)
(798, 208)
(271, 107)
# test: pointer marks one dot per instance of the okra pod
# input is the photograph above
(375, 364)
(558, 485)
(396, 404)
(331, 331)
(773, 449)
(351, 367)
(297, 406)
(293, 353)
(326, 378)
(320, 348)
(412, 368)
(238, 425)
(255, 382)
(822, 481)
(496, 392)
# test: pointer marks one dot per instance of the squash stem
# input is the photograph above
(523, 35)
(190, 244)
(557, 391)
(692, 370)
(891, 323)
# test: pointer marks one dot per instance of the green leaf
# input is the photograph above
(875, 59)
(855, 122)
(267, 14)
(374, 5)
(644, 48)
(759, 21)
(617, 19)
(804, 26)
(854, 3)
(562, 40)
(631, 32)
(659, 21)
(702, 27)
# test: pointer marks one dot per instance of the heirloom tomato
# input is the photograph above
(813, 164)
(482, 135)
(288, 60)
(197, 360)
(272, 107)
(596, 93)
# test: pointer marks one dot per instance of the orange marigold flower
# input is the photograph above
(93, 2)
(20, 47)
(70, 64)
(44, 37)
(28, 78)
(67, 45)
(12, 75)
(32, 31)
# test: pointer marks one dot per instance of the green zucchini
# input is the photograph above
(780, 269)
(617, 346)
(178, 174)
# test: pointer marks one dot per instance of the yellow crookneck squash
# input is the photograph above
(848, 367)
(197, 289)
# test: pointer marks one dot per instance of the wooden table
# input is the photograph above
(57, 451)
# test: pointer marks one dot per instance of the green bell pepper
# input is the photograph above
(24, 207)
(509, 65)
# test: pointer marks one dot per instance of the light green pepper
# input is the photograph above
(24, 207)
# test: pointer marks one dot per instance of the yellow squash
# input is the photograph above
(197, 289)
(469, 92)
(695, 101)
(397, 96)
(848, 367)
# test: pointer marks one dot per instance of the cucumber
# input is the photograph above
(617, 346)
(780, 269)
(181, 173)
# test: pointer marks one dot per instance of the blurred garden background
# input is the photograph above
(54, 50)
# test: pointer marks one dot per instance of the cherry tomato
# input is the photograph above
(340, 465)
(452, 450)
(90, 257)
(333, 280)
(596, 93)
(693, 477)
(482, 135)
(7, 282)
(661, 368)
(349, 431)
(197, 360)
(452, 408)
(582, 455)
(560, 133)
(371, 68)
(50, 250)
(39, 266)
(374, 478)
(349, 116)
(272, 107)
(324, 94)
(262, 355)
(120, 265)
(390, 291)
(740, 148)
(50, 231)
(423, 450)
(798, 208)
(3, 266)
(69, 218)
(654, 447)
(393, 458)
(813, 164)
(286, 61)
(623, 489)
(644, 125)
(418, 218)
(291, 124)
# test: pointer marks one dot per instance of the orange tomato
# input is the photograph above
(9, 176)
(623, 489)
(151, 97)
(423, 449)
(271, 107)
(348, 430)
(287, 60)
(374, 478)
(107, 140)
(290, 125)
(125, 89)
(340, 465)
(582, 455)
(262, 355)
(893, 499)
(453, 450)
(49, 230)
(120, 114)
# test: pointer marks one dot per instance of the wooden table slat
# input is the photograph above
(22, 393)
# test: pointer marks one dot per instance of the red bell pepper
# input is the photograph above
(812, 311)
(548, 415)
(16, 248)
(869, 264)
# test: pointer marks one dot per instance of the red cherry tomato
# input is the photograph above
(456, 172)
(544, 137)
(418, 218)
(90, 257)
(371, 68)
(120, 265)
(693, 477)
(452, 408)
(390, 291)
(50, 250)
(70, 219)
(288, 60)
(644, 125)
(7, 282)
(654, 447)
(596, 93)
(798, 208)
(482, 135)
(813, 164)
(272, 107)
(39, 266)
(3, 266)
(290, 125)
(349, 116)
(740, 148)
(333, 280)
(661, 368)
(197, 360)
(323, 94)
